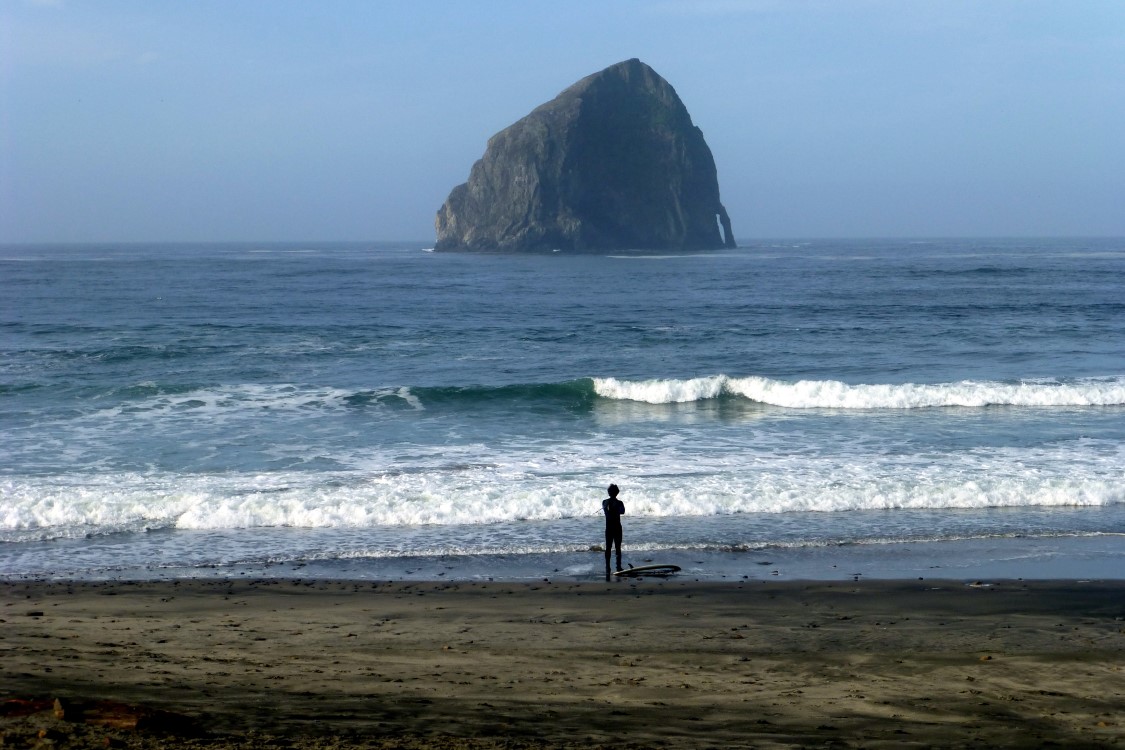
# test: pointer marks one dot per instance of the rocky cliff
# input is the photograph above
(613, 162)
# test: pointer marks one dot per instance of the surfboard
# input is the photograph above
(649, 570)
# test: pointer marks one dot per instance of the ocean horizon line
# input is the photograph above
(430, 241)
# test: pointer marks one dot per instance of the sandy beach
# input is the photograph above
(649, 663)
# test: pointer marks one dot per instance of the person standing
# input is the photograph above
(613, 510)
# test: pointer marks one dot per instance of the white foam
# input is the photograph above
(222, 401)
(668, 478)
(661, 391)
(833, 394)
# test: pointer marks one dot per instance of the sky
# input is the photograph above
(350, 120)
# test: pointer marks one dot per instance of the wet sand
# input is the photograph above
(663, 664)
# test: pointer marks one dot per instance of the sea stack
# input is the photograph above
(612, 163)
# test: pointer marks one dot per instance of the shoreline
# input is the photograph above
(670, 663)
(1076, 557)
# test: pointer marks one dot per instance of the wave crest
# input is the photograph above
(834, 394)
(218, 402)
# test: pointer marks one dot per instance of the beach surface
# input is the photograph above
(560, 664)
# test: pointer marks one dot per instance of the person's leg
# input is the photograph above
(608, 550)
(617, 542)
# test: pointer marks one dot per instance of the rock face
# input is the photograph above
(613, 162)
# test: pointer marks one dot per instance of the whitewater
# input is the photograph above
(813, 394)
(376, 410)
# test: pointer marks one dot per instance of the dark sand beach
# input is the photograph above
(663, 664)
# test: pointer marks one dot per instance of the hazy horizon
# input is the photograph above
(427, 243)
(129, 122)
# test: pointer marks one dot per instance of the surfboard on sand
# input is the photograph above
(649, 570)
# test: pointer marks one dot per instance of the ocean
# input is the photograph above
(795, 409)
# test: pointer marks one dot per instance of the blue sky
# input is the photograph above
(261, 120)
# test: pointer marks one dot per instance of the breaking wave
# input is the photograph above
(220, 401)
(834, 394)
(1078, 474)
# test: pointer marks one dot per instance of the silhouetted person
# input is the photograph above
(613, 509)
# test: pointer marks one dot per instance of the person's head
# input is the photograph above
(613, 490)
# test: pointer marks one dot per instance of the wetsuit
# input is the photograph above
(613, 509)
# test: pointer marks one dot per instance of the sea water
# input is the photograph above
(378, 409)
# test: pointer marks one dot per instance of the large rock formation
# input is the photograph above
(613, 162)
